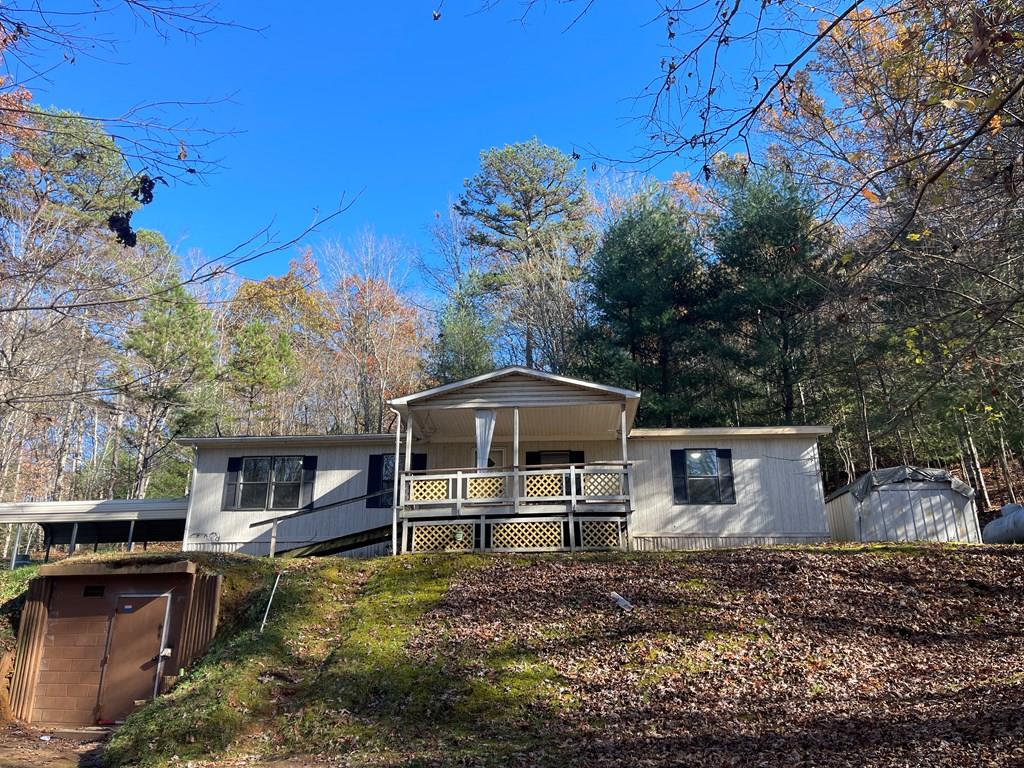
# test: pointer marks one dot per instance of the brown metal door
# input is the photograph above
(133, 654)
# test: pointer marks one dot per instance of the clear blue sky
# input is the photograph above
(369, 98)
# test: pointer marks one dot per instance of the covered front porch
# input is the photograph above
(516, 460)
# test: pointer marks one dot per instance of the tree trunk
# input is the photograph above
(865, 424)
(114, 441)
(975, 461)
(1005, 465)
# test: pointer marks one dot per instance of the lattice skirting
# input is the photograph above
(449, 537)
(599, 534)
(532, 534)
(428, 490)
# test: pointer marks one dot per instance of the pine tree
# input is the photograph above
(168, 358)
(260, 365)
(648, 286)
(464, 345)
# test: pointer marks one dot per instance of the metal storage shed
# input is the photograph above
(904, 504)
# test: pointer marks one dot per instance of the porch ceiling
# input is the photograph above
(591, 421)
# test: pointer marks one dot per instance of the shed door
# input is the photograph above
(133, 654)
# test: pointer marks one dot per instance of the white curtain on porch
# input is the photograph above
(484, 433)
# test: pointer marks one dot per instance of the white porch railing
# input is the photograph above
(569, 484)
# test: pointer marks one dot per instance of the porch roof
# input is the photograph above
(550, 406)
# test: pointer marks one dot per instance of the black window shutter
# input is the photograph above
(375, 482)
(231, 483)
(532, 458)
(679, 495)
(308, 480)
(726, 488)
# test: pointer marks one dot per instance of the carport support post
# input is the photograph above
(74, 540)
(131, 536)
(14, 549)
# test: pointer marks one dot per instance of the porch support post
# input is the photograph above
(398, 481)
(572, 507)
(627, 470)
(14, 549)
(408, 462)
(622, 432)
(131, 535)
(74, 539)
(515, 459)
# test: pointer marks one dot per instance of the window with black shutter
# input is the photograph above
(380, 476)
(702, 476)
(269, 482)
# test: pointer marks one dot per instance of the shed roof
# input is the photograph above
(864, 484)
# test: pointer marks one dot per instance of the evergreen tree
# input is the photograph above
(528, 209)
(770, 279)
(168, 358)
(464, 345)
(648, 285)
(260, 365)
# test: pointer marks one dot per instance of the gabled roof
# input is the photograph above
(455, 386)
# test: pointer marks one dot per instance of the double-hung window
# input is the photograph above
(269, 482)
(702, 476)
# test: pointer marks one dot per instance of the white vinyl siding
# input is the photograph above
(340, 474)
(777, 486)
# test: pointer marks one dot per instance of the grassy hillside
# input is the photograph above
(841, 656)
(859, 656)
(12, 597)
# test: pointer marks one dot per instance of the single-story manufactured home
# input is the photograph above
(512, 460)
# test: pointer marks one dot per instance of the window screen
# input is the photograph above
(702, 476)
(269, 482)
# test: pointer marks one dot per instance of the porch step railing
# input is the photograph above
(572, 483)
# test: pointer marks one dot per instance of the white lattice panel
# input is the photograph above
(599, 534)
(428, 490)
(456, 537)
(602, 484)
(485, 488)
(538, 486)
(530, 534)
